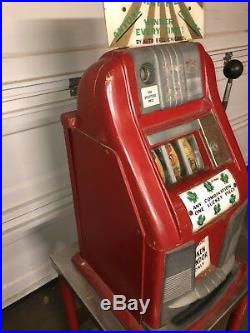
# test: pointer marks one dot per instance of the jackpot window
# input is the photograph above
(178, 159)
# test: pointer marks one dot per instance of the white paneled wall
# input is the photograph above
(45, 44)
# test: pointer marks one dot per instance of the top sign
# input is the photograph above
(138, 23)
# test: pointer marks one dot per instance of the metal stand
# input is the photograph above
(69, 304)
(72, 282)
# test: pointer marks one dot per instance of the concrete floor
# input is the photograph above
(43, 309)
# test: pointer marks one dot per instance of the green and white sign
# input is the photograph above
(138, 23)
(210, 199)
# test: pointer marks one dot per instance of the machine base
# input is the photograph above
(206, 312)
(201, 315)
(223, 297)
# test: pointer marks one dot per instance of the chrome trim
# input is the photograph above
(174, 132)
(210, 283)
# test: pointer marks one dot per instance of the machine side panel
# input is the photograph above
(69, 122)
(112, 242)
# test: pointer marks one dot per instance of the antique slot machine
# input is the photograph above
(159, 185)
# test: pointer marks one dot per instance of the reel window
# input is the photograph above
(178, 159)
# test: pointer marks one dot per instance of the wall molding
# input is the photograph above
(48, 65)
(36, 117)
(215, 42)
(31, 104)
(36, 268)
(12, 292)
(239, 122)
(34, 213)
(19, 210)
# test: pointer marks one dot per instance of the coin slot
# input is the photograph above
(214, 140)
(147, 73)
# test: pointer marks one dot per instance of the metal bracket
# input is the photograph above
(228, 57)
(73, 86)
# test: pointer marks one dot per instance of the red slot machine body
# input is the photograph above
(159, 185)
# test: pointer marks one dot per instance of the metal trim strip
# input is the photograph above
(174, 132)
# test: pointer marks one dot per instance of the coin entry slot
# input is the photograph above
(147, 74)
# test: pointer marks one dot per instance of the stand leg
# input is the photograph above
(69, 304)
(237, 315)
